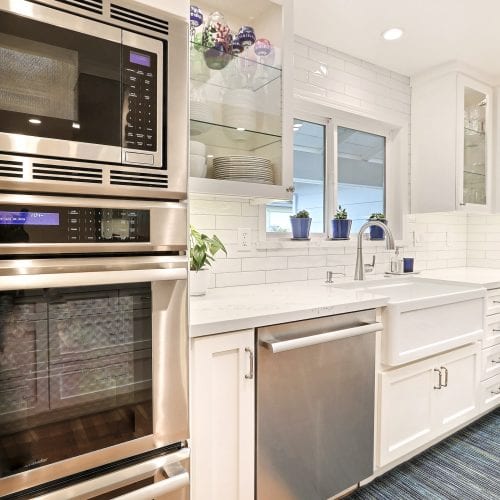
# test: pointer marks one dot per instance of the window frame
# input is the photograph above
(331, 121)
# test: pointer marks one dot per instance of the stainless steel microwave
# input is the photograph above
(93, 99)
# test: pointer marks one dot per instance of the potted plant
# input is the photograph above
(377, 233)
(201, 255)
(301, 225)
(341, 225)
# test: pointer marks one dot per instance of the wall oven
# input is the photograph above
(93, 348)
(92, 99)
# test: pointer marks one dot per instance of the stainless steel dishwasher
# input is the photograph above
(315, 406)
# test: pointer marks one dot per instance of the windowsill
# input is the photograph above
(316, 241)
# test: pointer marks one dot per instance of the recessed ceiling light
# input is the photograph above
(241, 129)
(76, 125)
(392, 34)
(35, 121)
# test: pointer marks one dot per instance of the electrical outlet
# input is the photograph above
(244, 239)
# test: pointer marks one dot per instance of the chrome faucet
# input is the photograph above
(359, 273)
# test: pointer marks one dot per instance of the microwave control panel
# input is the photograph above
(139, 99)
(46, 224)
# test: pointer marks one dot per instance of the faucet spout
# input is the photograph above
(359, 273)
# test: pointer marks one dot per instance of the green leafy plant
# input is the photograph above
(377, 216)
(203, 249)
(303, 214)
(340, 214)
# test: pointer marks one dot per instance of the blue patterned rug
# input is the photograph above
(465, 466)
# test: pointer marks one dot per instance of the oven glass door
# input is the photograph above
(75, 372)
(58, 83)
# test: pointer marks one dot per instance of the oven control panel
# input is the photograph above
(48, 224)
(140, 103)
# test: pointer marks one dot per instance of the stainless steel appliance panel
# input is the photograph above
(32, 162)
(315, 406)
(166, 231)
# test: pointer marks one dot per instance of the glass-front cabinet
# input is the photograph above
(452, 141)
(475, 181)
(238, 129)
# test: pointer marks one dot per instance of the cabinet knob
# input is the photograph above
(290, 189)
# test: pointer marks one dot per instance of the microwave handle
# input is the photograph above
(170, 464)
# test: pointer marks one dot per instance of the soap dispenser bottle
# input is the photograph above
(397, 262)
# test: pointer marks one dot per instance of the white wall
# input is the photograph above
(177, 7)
(340, 81)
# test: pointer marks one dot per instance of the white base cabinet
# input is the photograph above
(421, 401)
(222, 417)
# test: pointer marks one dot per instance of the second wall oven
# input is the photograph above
(93, 346)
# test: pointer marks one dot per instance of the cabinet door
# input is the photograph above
(473, 142)
(222, 418)
(457, 400)
(406, 410)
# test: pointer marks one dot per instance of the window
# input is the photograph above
(361, 174)
(354, 176)
(308, 180)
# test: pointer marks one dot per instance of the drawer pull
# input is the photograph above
(496, 329)
(496, 392)
(495, 361)
(439, 381)
(496, 301)
(250, 353)
(445, 384)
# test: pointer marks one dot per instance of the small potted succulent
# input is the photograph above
(341, 225)
(201, 255)
(301, 225)
(377, 233)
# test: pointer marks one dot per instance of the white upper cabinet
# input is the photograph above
(451, 143)
(240, 87)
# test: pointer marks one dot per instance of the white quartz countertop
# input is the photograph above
(241, 307)
(489, 278)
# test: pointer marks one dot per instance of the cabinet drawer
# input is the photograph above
(493, 302)
(492, 332)
(490, 362)
(490, 392)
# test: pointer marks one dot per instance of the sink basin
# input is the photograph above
(424, 317)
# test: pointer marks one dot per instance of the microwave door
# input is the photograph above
(60, 88)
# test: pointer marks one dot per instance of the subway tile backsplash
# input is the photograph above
(434, 240)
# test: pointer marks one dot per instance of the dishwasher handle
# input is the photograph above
(320, 338)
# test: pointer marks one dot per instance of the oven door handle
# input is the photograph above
(169, 465)
(87, 275)
(320, 338)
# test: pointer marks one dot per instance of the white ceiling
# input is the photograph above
(436, 31)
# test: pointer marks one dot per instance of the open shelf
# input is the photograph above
(234, 188)
(222, 136)
(242, 71)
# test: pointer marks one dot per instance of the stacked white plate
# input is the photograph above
(243, 169)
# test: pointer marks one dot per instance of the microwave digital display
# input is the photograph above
(141, 59)
(29, 218)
